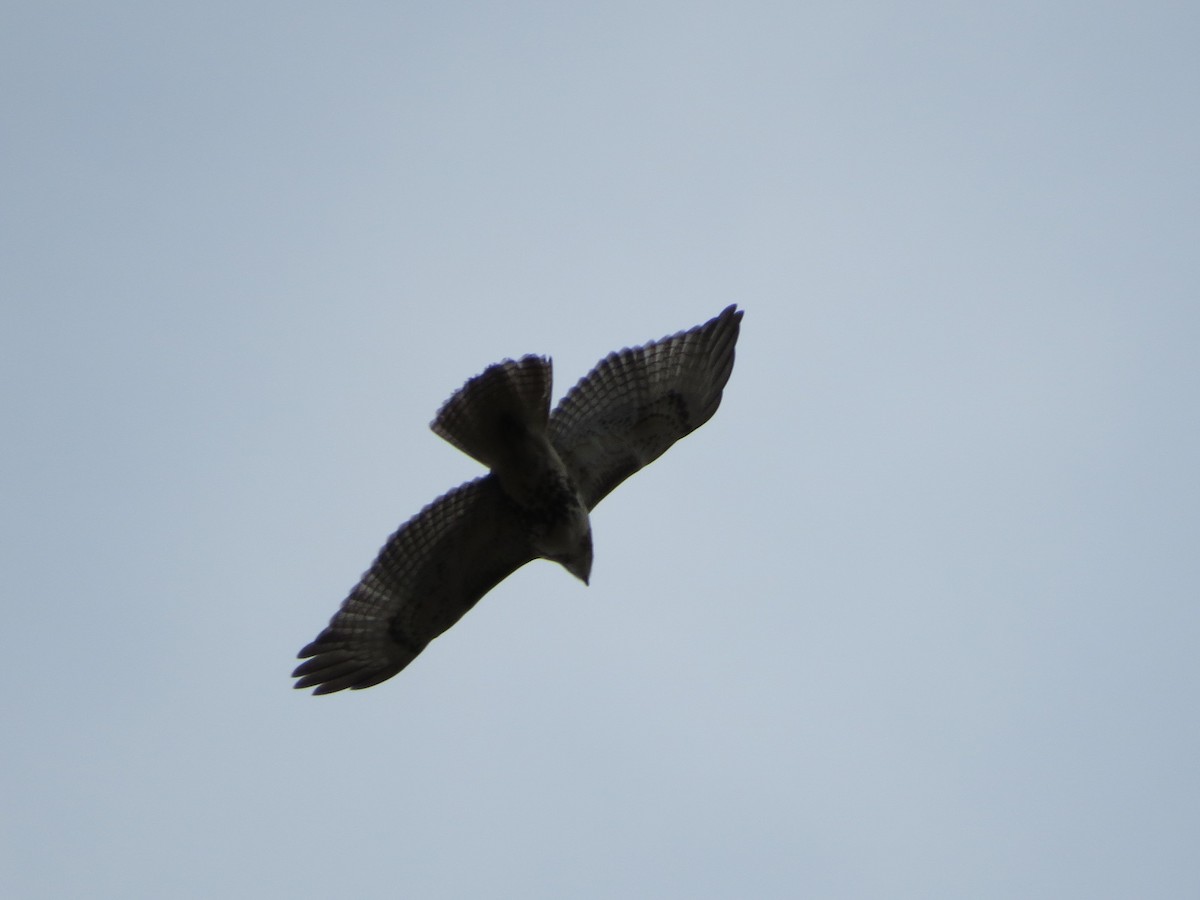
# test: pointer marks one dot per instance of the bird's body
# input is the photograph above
(547, 472)
(501, 418)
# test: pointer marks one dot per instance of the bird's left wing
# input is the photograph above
(428, 574)
(637, 402)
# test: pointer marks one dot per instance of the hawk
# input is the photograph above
(548, 471)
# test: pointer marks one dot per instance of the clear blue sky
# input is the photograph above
(915, 616)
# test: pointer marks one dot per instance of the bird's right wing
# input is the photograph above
(428, 574)
(637, 402)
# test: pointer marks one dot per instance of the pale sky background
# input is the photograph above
(914, 616)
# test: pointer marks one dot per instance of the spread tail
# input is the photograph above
(492, 410)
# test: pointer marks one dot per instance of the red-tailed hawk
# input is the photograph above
(548, 470)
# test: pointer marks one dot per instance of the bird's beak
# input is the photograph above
(581, 569)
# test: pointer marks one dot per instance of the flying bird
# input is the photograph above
(548, 471)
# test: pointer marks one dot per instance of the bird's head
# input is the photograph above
(578, 559)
